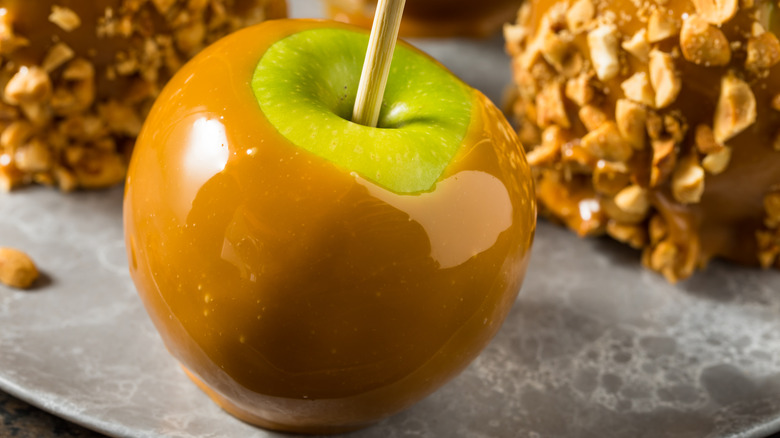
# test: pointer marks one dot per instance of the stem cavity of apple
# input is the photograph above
(376, 67)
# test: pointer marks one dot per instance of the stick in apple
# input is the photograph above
(376, 67)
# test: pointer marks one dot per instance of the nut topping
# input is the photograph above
(633, 199)
(610, 177)
(664, 160)
(657, 229)
(688, 181)
(28, 85)
(603, 44)
(549, 106)
(631, 118)
(736, 108)
(661, 26)
(58, 55)
(633, 235)
(664, 78)
(639, 89)
(606, 143)
(630, 147)
(716, 11)
(638, 46)
(703, 43)
(65, 18)
(579, 15)
(763, 53)
(17, 268)
(716, 162)
(592, 117)
(550, 148)
(705, 140)
(580, 89)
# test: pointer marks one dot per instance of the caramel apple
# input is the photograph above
(434, 18)
(77, 78)
(312, 274)
(655, 123)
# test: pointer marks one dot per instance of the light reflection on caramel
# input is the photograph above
(462, 216)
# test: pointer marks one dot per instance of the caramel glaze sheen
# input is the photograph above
(434, 18)
(724, 222)
(301, 297)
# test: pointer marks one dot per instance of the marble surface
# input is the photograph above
(595, 345)
(20, 420)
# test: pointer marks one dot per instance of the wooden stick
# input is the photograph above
(376, 67)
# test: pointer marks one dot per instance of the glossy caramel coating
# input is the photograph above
(434, 18)
(302, 297)
(724, 208)
(96, 67)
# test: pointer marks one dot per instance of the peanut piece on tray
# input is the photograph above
(17, 269)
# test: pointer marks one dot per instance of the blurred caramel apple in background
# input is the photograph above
(313, 274)
(434, 18)
(657, 123)
(78, 76)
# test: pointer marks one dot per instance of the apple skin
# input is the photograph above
(300, 296)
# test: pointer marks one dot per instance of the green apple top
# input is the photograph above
(311, 274)
(306, 85)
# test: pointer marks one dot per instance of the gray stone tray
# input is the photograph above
(594, 347)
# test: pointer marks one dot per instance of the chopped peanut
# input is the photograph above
(579, 15)
(716, 162)
(631, 119)
(703, 43)
(663, 258)
(763, 52)
(17, 269)
(664, 78)
(657, 229)
(633, 199)
(580, 89)
(550, 148)
(58, 55)
(606, 143)
(34, 156)
(16, 134)
(609, 177)
(592, 117)
(633, 235)
(661, 25)
(549, 106)
(557, 49)
(638, 89)
(28, 85)
(65, 18)
(736, 108)
(603, 43)
(664, 160)
(688, 181)
(716, 11)
(705, 140)
(638, 46)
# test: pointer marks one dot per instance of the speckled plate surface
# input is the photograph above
(595, 345)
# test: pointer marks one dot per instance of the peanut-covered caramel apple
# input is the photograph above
(311, 273)
(434, 18)
(77, 78)
(656, 123)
